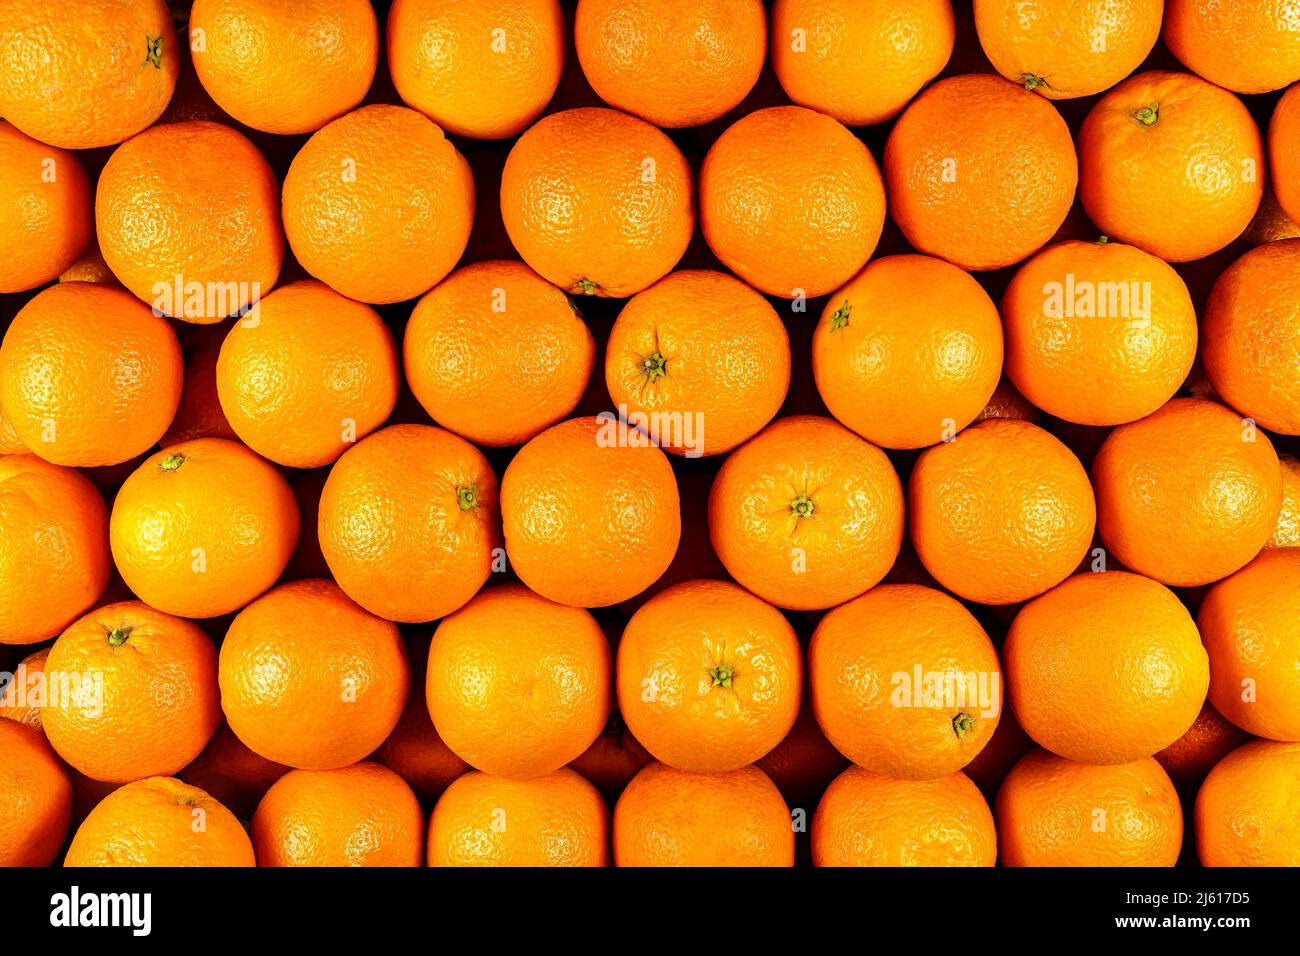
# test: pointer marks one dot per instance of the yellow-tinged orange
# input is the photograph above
(1251, 46)
(45, 212)
(1248, 809)
(35, 798)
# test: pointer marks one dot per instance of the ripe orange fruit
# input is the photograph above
(1106, 668)
(518, 685)
(869, 820)
(54, 559)
(671, 62)
(409, 523)
(199, 413)
(26, 692)
(670, 817)
(1098, 333)
(45, 214)
(496, 353)
(979, 171)
(555, 820)
(1188, 494)
(1246, 811)
(791, 201)
(285, 67)
(1251, 46)
(613, 758)
(1193, 755)
(187, 219)
(806, 514)
(1000, 513)
(341, 217)
(860, 62)
(1284, 151)
(1271, 221)
(232, 774)
(89, 266)
(88, 375)
(1008, 744)
(914, 326)
(202, 528)
(804, 763)
(1137, 183)
(35, 798)
(10, 443)
(160, 821)
(698, 348)
(1287, 532)
(79, 75)
(362, 815)
(597, 202)
(477, 68)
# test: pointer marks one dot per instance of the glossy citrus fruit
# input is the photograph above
(1284, 152)
(1271, 222)
(1193, 755)
(27, 690)
(232, 774)
(613, 758)
(1287, 532)
(199, 413)
(35, 798)
(45, 211)
(1251, 46)
(1248, 809)
(804, 763)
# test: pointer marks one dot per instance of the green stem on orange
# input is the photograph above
(962, 723)
(655, 366)
(153, 49)
(840, 317)
(467, 497)
(118, 635)
(172, 462)
(1033, 82)
(803, 506)
(586, 286)
(721, 675)
(1148, 115)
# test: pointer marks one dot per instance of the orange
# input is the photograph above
(24, 695)
(698, 347)
(187, 219)
(79, 75)
(409, 522)
(555, 820)
(791, 202)
(979, 171)
(1284, 151)
(671, 62)
(1008, 744)
(905, 682)
(199, 413)
(54, 559)
(914, 326)
(669, 817)
(1000, 513)
(806, 514)
(613, 758)
(860, 62)
(496, 353)
(869, 820)
(89, 266)
(202, 528)
(35, 798)
(88, 375)
(1248, 809)
(285, 67)
(1106, 668)
(10, 443)
(518, 685)
(231, 773)
(479, 68)
(804, 763)
(1271, 221)
(1171, 164)
(45, 214)
(378, 204)
(1055, 812)
(1188, 494)
(1252, 336)
(591, 512)
(1007, 402)
(160, 821)
(1251, 46)
(1193, 755)
(1287, 532)
(597, 202)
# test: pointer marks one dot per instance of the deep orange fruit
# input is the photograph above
(45, 212)
(35, 798)
(1251, 46)
(1246, 809)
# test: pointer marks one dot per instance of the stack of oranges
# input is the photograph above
(649, 432)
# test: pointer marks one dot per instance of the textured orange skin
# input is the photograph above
(35, 798)
(869, 820)
(804, 763)
(62, 379)
(10, 443)
(194, 200)
(393, 531)
(1105, 668)
(1179, 188)
(1108, 367)
(285, 66)
(518, 685)
(156, 822)
(791, 201)
(90, 265)
(231, 773)
(159, 704)
(1252, 336)
(1188, 494)
(77, 75)
(223, 501)
(843, 548)
(673, 63)
(496, 353)
(1287, 532)
(362, 815)
(554, 820)
(860, 62)
(199, 413)
(669, 817)
(1284, 152)
(311, 680)
(913, 326)
(726, 359)
(414, 751)
(613, 758)
(444, 63)
(54, 560)
(1248, 809)
(676, 705)
(306, 373)
(1009, 743)
(21, 700)
(1271, 222)
(351, 232)
(587, 522)
(44, 223)
(979, 171)
(1251, 46)
(1051, 47)
(1050, 813)
(1007, 402)
(1001, 513)
(1193, 755)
